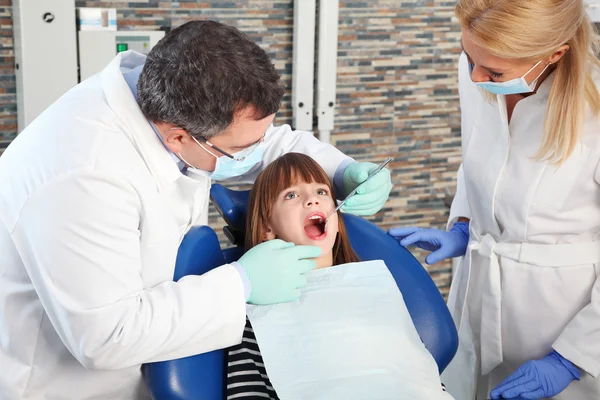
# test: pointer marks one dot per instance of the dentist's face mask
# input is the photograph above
(232, 165)
(514, 86)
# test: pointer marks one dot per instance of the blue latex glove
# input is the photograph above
(371, 195)
(538, 379)
(442, 244)
(276, 270)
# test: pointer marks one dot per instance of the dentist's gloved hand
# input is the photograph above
(372, 195)
(442, 244)
(538, 379)
(276, 270)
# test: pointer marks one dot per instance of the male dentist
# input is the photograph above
(97, 193)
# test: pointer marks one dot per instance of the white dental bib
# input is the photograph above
(349, 336)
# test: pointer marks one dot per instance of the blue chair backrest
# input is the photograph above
(202, 376)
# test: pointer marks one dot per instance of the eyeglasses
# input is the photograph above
(240, 155)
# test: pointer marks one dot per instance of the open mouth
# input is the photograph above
(314, 226)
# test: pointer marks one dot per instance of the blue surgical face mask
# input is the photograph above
(227, 167)
(514, 86)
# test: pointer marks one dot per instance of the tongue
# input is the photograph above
(313, 230)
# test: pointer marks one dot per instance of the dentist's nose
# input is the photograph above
(479, 74)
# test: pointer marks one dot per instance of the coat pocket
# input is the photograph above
(557, 182)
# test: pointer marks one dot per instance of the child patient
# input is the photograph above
(289, 201)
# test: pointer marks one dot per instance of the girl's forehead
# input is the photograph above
(296, 177)
(299, 181)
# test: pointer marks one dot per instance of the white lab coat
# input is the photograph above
(92, 211)
(529, 281)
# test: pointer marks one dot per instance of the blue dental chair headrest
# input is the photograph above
(201, 377)
(232, 205)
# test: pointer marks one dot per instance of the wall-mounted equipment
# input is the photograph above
(303, 69)
(98, 48)
(45, 54)
(303, 74)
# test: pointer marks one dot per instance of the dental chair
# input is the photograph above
(202, 377)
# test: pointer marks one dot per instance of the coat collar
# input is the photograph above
(136, 126)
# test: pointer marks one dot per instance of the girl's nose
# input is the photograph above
(312, 201)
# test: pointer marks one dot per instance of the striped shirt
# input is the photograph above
(246, 374)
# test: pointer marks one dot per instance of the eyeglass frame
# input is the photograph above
(250, 149)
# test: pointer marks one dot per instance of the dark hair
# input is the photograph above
(282, 173)
(204, 72)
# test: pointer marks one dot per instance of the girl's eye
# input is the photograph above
(291, 195)
(322, 192)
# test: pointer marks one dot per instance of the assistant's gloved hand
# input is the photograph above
(538, 379)
(372, 195)
(442, 244)
(276, 270)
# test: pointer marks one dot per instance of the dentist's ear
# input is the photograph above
(173, 137)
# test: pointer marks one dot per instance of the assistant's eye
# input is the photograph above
(322, 192)
(496, 75)
(290, 195)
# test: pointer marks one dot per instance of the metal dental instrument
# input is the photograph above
(352, 193)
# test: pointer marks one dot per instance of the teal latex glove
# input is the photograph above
(276, 270)
(371, 195)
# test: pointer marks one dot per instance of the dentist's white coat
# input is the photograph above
(529, 281)
(92, 211)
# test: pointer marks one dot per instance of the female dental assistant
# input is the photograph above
(526, 295)
(97, 193)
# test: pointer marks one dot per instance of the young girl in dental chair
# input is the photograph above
(349, 336)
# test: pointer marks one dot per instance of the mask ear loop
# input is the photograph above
(204, 148)
(185, 162)
(532, 68)
(535, 81)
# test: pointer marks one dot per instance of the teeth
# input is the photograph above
(316, 217)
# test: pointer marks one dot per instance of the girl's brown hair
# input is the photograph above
(282, 173)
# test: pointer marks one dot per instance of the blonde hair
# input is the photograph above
(282, 173)
(531, 30)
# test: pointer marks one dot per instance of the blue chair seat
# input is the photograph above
(201, 377)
